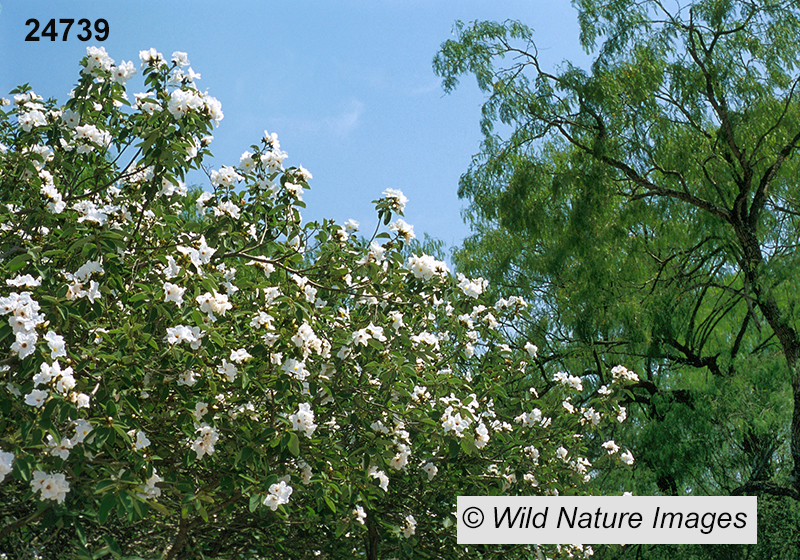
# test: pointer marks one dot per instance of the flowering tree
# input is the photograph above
(202, 375)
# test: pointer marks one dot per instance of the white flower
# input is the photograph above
(430, 469)
(397, 319)
(173, 292)
(56, 344)
(180, 58)
(122, 73)
(246, 162)
(610, 446)
(396, 198)
(351, 226)
(411, 526)
(187, 378)
(383, 480)
(561, 453)
(240, 355)
(82, 429)
(361, 337)
(471, 288)
(60, 449)
(403, 229)
(531, 349)
(36, 398)
(25, 343)
(6, 464)
(361, 515)
(569, 380)
(182, 333)
(204, 445)
(151, 57)
(278, 495)
(425, 267)
(228, 208)
(52, 486)
(303, 420)
(295, 369)
(141, 440)
(150, 490)
(295, 190)
(623, 373)
(226, 177)
(228, 369)
(200, 410)
(25, 280)
(627, 458)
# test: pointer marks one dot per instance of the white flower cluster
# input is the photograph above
(307, 340)
(182, 101)
(426, 267)
(225, 177)
(400, 437)
(25, 317)
(362, 336)
(150, 491)
(75, 288)
(199, 255)
(360, 514)
(569, 380)
(64, 379)
(214, 303)
(303, 419)
(623, 373)
(278, 494)
(472, 288)
(403, 229)
(533, 418)
(6, 463)
(91, 137)
(396, 198)
(410, 527)
(204, 445)
(452, 420)
(383, 480)
(182, 333)
(53, 486)
(34, 117)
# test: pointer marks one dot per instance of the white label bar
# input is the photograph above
(607, 520)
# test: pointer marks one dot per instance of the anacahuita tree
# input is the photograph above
(188, 374)
(648, 208)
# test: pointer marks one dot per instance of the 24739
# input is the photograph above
(84, 34)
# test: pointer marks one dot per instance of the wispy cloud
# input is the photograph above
(431, 86)
(340, 124)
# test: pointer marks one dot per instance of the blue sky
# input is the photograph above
(348, 85)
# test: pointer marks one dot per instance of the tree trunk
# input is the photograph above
(752, 265)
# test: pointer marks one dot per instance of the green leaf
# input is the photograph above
(112, 544)
(103, 486)
(330, 503)
(294, 444)
(106, 505)
(18, 262)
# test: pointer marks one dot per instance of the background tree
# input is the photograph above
(648, 205)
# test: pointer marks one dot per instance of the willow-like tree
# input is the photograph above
(649, 203)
